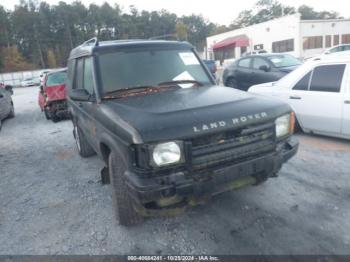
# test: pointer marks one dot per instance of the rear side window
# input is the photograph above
(88, 78)
(303, 83)
(244, 62)
(327, 78)
(79, 80)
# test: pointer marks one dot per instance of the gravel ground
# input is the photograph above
(52, 202)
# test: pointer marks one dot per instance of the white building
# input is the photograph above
(301, 38)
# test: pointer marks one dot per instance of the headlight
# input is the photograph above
(284, 125)
(167, 153)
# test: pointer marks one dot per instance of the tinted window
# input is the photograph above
(56, 79)
(258, 62)
(88, 77)
(79, 74)
(284, 60)
(244, 62)
(303, 83)
(135, 68)
(327, 78)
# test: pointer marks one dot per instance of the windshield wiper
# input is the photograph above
(132, 91)
(147, 89)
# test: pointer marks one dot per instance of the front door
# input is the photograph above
(320, 107)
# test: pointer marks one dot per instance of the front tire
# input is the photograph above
(12, 112)
(47, 114)
(124, 207)
(83, 146)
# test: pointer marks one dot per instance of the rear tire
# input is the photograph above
(123, 203)
(83, 146)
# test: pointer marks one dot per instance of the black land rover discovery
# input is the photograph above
(170, 137)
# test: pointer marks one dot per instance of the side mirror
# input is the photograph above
(79, 95)
(264, 68)
(9, 89)
(327, 53)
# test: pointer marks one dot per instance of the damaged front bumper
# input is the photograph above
(171, 194)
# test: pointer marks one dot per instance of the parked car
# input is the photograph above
(169, 137)
(257, 69)
(337, 49)
(319, 93)
(9, 88)
(29, 81)
(211, 66)
(52, 96)
(331, 55)
(7, 109)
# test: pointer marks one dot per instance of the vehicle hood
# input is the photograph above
(54, 93)
(185, 113)
(288, 69)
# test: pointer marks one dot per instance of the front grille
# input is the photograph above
(233, 146)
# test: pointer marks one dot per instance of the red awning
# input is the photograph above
(238, 41)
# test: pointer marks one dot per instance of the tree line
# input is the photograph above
(41, 35)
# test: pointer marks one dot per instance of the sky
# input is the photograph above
(217, 11)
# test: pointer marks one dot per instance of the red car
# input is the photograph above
(52, 96)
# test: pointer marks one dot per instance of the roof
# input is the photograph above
(89, 47)
(237, 41)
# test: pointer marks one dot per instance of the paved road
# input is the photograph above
(52, 202)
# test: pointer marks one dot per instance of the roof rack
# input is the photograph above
(93, 41)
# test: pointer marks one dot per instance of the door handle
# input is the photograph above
(295, 97)
(347, 102)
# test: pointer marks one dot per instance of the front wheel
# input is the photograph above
(47, 114)
(83, 146)
(125, 211)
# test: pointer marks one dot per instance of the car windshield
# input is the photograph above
(284, 60)
(56, 79)
(140, 68)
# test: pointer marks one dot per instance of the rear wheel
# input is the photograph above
(231, 82)
(83, 146)
(125, 211)
(12, 112)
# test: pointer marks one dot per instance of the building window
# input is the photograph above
(336, 40)
(328, 40)
(224, 53)
(312, 42)
(283, 46)
(345, 39)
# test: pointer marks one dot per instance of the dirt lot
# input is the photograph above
(52, 202)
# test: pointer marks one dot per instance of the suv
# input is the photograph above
(168, 136)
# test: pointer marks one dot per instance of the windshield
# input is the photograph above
(284, 60)
(56, 79)
(128, 69)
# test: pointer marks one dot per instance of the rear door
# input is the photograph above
(260, 76)
(320, 107)
(346, 105)
(243, 73)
